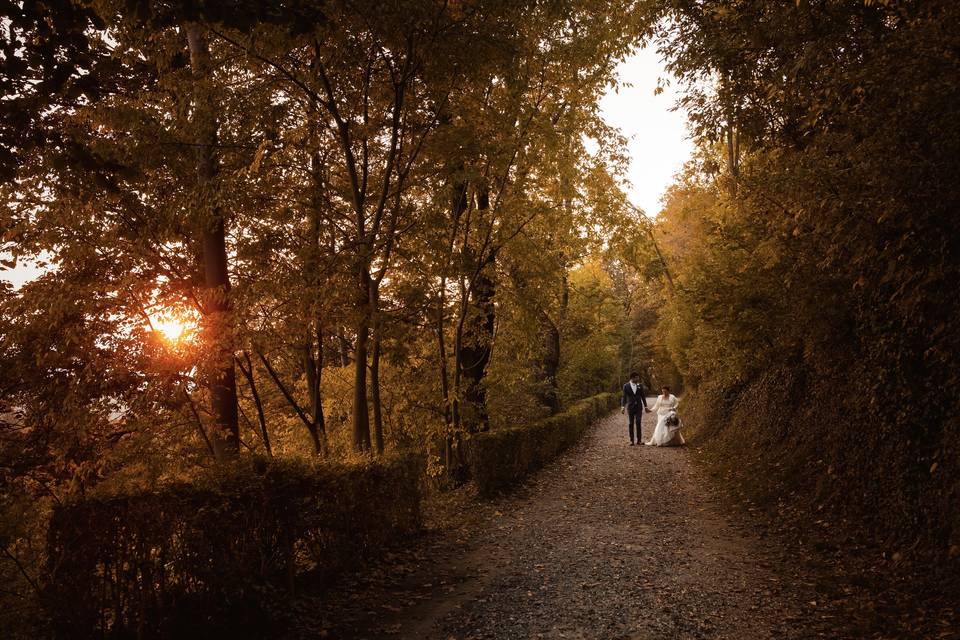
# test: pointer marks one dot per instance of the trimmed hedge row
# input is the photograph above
(499, 458)
(205, 559)
(216, 556)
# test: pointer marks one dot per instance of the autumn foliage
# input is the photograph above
(816, 251)
(315, 231)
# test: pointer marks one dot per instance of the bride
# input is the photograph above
(667, 433)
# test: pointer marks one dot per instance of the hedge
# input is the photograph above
(496, 459)
(204, 559)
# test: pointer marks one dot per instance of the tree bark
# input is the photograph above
(313, 367)
(475, 348)
(444, 374)
(733, 151)
(343, 349)
(375, 389)
(459, 204)
(473, 339)
(731, 133)
(218, 329)
(200, 429)
(549, 362)
(313, 370)
(444, 377)
(361, 409)
(546, 364)
(311, 427)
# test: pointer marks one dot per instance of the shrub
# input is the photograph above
(499, 458)
(201, 559)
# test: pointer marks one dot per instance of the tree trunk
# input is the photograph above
(731, 133)
(361, 414)
(313, 369)
(549, 362)
(442, 356)
(361, 418)
(217, 321)
(457, 368)
(459, 203)
(317, 400)
(546, 364)
(475, 348)
(474, 338)
(375, 389)
(343, 349)
(261, 418)
(318, 447)
(311, 427)
(442, 360)
(733, 151)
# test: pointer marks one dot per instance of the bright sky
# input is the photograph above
(658, 143)
(23, 272)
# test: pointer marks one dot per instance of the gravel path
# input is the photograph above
(610, 541)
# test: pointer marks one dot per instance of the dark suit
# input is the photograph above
(635, 402)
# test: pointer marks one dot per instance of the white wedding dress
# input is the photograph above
(666, 435)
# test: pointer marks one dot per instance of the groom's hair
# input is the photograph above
(634, 375)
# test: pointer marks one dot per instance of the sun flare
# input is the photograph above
(171, 328)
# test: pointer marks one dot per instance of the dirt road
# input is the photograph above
(610, 541)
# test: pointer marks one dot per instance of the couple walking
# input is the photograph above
(667, 432)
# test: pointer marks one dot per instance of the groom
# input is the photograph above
(632, 398)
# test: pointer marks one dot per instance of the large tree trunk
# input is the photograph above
(475, 349)
(217, 320)
(474, 340)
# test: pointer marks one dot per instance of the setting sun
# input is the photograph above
(170, 327)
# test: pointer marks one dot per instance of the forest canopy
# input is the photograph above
(354, 190)
(309, 230)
